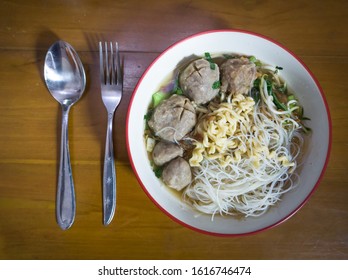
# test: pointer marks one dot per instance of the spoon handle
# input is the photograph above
(109, 176)
(65, 208)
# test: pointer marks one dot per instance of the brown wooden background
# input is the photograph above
(317, 31)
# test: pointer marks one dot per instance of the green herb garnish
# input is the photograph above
(216, 85)
(255, 61)
(210, 60)
(207, 56)
(276, 101)
(148, 115)
(157, 97)
(158, 171)
(176, 88)
(178, 91)
(255, 90)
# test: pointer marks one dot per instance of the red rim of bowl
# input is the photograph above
(322, 171)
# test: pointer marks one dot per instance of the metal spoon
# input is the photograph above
(66, 80)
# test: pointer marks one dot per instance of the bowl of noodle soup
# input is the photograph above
(255, 159)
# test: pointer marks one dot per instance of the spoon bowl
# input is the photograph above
(66, 81)
(64, 74)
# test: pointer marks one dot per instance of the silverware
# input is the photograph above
(66, 80)
(111, 91)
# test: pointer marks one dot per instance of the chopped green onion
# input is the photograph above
(207, 56)
(291, 97)
(157, 97)
(178, 91)
(176, 87)
(255, 61)
(216, 85)
(210, 60)
(148, 115)
(158, 171)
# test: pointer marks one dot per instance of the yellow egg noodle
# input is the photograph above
(246, 158)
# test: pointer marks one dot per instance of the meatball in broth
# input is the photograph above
(164, 152)
(173, 118)
(177, 174)
(197, 80)
(237, 76)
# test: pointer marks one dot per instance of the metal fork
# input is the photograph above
(111, 92)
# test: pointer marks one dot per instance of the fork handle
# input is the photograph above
(109, 175)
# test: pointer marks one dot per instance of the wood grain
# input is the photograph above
(316, 31)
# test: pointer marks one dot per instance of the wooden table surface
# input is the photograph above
(315, 30)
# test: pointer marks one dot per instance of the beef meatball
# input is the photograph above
(177, 174)
(173, 118)
(237, 76)
(197, 80)
(164, 152)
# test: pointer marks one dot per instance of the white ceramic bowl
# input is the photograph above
(300, 79)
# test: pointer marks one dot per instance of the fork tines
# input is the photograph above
(110, 69)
